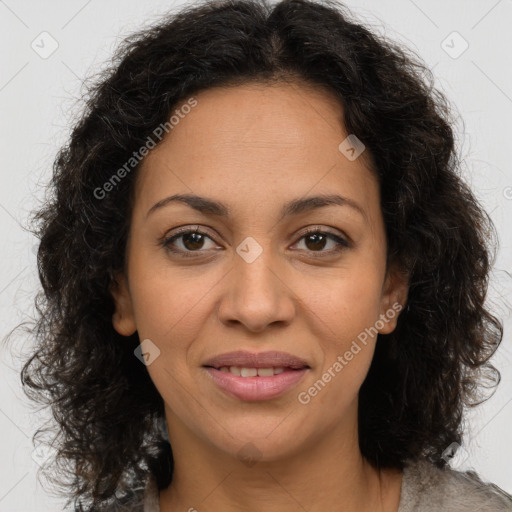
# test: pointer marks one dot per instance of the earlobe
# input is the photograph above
(123, 318)
(394, 299)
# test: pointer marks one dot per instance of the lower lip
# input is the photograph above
(256, 388)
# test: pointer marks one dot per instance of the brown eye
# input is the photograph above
(187, 241)
(193, 241)
(316, 240)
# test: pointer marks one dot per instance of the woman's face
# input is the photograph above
(253, 280)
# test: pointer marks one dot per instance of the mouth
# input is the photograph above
(254, 372)
(256, 377)
(253, 360)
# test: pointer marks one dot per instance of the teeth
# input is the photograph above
(265, 372)
(248, 372)
(251, 372)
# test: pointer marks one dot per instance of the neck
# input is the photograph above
(327, 474)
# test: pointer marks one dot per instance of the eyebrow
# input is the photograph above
(294, 207)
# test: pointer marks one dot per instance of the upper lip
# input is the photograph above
(245, 359)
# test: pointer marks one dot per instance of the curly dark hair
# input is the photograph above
(108, 412)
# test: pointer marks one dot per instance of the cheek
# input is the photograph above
(344, 308)
(343, 320)
(167, 303)
(344, 304)
(170, 310)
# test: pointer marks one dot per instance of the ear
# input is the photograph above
(394, 298)
(123, 318)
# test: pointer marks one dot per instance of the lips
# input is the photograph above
(256, 388)
(245, 359)
(253, 376)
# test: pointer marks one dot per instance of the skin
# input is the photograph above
(254, 148)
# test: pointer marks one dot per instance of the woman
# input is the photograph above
(264, 279)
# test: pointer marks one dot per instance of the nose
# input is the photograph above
(257, 294)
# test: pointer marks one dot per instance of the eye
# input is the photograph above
(315, 240)
(190, 240)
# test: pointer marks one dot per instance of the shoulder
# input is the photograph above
(131, 501)
(425, 488)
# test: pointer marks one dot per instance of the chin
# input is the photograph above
(259, 444)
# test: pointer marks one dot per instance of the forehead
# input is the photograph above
(261, 116)
(253, 140)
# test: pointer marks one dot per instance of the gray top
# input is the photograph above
(425, 488)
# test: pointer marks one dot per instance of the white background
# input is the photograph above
(37, 102)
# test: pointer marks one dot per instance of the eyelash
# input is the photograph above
(342, 244)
